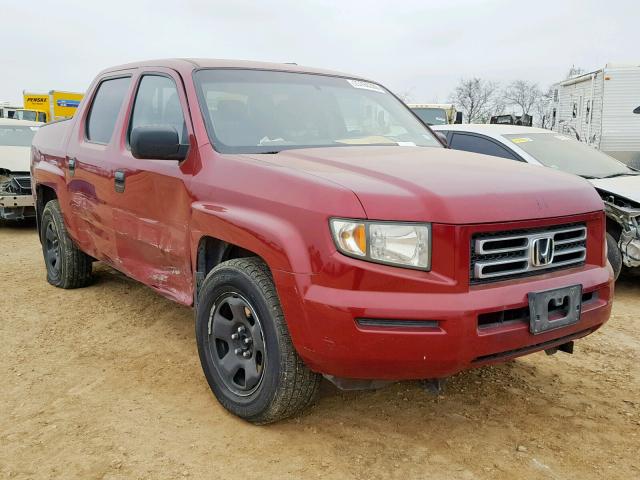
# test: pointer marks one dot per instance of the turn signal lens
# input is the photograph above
(351, 237)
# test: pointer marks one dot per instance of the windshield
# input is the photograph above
(569, 155)
(432, 116)
(26, 115)
(16, 136)
(256, 111)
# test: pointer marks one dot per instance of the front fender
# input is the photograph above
(277, 241)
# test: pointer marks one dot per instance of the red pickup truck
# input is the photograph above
(317, 226)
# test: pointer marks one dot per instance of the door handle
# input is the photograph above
(72, 166)
(119, 181)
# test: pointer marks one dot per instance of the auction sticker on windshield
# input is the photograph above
(521, 140)
(365, 85)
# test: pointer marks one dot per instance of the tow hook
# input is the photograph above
(565, 347)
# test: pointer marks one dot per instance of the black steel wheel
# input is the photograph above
(236, 343)
(244, 345)
(52, 250)
(67, 266)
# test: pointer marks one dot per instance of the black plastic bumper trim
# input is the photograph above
(532, 348)
(390, 323)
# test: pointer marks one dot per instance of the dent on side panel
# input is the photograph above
(152, 253)
(150, 222)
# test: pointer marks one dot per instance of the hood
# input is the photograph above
(444, 186)
(15, 159)
(627, 187)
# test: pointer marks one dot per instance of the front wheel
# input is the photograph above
(244, 345)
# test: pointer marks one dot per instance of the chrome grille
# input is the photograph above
(501, 255)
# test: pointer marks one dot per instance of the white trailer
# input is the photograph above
(602, 108)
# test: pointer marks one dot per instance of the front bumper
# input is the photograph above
(10, 200)
(16, 207)
(342, 347)
(16, 200)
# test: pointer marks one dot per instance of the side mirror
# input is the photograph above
(636, 110)
(458, 118)
(157, 142)
(443, 138)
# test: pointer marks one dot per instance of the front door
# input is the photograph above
(152, 205)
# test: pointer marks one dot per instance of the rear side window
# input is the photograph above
(475, 144)
(105, 109)
(157, 103)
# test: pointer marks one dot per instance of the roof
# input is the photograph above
(491, 129)
(195, 63)
(24, 123)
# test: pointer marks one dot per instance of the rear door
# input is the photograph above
(89, 169)
(152, 204)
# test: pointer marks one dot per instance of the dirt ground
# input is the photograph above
(105, 383)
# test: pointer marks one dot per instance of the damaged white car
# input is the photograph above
(617, 184)
(16, 201)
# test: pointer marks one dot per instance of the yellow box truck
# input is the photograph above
(56, 105)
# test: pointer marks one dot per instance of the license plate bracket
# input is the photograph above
(554, 309)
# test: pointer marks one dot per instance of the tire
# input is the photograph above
(261, 380)
(614, 255)
(67, 266)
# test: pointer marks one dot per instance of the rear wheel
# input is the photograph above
(614, 255)
(67, 266)
(244, 345)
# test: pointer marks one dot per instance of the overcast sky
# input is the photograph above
(421, 47)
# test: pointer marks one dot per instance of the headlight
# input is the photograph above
(392, 243)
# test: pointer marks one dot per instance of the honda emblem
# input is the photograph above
(542, 251)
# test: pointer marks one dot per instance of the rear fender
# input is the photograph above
(48, 176)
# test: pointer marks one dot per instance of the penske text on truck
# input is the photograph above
(56, 105)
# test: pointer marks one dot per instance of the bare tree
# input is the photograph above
(522, 94)
(543, 108)
(476, 98)
(574, 71)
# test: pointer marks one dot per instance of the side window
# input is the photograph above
(157, 103)
(105, 109)
(475, 144)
